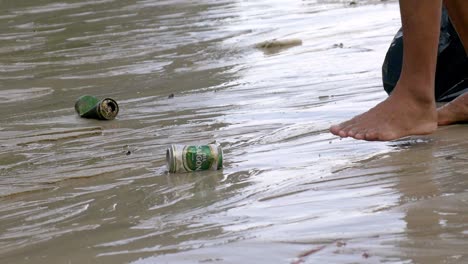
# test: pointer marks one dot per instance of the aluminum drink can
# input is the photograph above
(181, 158)
(88, 106)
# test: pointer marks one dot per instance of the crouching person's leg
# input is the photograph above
(457, 110)
(410, 109)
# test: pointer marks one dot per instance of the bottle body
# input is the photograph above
(91, 107)
(181, 158)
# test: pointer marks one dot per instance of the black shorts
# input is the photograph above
(452, 63)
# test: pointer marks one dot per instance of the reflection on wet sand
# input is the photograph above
(433, 199)
(74, 190)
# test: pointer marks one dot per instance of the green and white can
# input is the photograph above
(181, 158)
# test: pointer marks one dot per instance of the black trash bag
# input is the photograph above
(452, 63)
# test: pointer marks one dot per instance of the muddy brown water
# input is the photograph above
(290, 192)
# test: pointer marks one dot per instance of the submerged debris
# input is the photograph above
(340, 243)
(302, 256)
(338, 45)
(325, 97)
(279, 43)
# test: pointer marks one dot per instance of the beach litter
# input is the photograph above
(185, 158)
(88, 106)
(279, 43)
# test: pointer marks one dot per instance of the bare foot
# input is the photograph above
(398, 116)
(453, 112)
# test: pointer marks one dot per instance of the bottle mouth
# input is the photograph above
(170, 162)
(220, 157)
(108, 108)
(168, 159)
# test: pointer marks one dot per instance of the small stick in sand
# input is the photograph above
(300, 258)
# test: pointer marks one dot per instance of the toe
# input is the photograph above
(343, 133)
(339, 130)
(352, 132)
(371, 135)
(349, 130)
(335, 129)
(360, 135)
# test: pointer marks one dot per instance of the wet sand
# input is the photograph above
(75, 190)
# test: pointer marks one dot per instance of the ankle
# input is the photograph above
(418, 93)
(415, 100)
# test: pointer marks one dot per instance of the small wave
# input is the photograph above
(15, 95)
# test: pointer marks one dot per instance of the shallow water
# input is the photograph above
(71, 194)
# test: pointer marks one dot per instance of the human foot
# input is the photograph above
(453, 112)
(398, 116)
